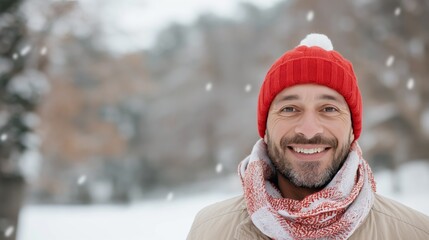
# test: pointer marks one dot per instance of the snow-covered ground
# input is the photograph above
(162, 219)
(171, 217)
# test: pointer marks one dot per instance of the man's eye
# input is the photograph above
(329, 109)
(289, 109)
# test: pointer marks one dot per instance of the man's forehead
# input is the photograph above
(304, 91)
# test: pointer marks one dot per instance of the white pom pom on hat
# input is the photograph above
(318, 40)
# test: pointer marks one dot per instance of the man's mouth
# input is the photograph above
(308, 150)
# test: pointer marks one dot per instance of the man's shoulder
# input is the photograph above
(225, 208)
(389, 219)
(396, 211)
(219, 220)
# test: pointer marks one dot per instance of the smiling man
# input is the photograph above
(306, 177)
(309, 133)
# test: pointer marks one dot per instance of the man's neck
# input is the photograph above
(289, 190)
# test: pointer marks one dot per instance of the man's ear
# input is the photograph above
(352, 136)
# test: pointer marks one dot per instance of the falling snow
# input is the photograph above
(43, 51)
(9, 231)
(219, 168)
(3, 137)
(390, 60)
(310, 15)
(81, 180)
(410, 83)
(248, 87)
(25, 50)
(397, 11)
(209, 87)
(170, 196)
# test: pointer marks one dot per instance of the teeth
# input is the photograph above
(308, 151)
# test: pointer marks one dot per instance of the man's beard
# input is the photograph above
(307, 174)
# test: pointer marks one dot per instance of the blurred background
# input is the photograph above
(121, 119)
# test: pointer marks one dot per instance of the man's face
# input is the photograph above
(309, 132)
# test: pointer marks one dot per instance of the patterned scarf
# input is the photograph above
(335, 212)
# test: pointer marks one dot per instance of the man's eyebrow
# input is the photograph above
(288, 98)
(328, 97)
(296, 97)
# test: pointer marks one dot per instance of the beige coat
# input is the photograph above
(387, 220)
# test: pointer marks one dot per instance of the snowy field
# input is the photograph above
(162, 219)
(171, 217)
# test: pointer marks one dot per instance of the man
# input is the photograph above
(306, 178)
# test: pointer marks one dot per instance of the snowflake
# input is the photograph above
(9, 231)
(170, 196)
(81, 180)
(43, 51)
(248, 87)
(310, 15)
(219, 168)
(397, 11)
(410, 83)
(3, 137)
(25, 50)
(390, 60)
(209, 86)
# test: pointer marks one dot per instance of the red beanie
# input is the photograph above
(312, 62)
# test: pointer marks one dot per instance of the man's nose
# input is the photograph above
(309, 125)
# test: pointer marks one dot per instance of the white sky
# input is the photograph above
(138, 21)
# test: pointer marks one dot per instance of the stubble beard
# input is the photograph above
(307, 174)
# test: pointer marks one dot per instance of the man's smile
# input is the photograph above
(309, 152)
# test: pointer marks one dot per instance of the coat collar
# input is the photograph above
(247, 230)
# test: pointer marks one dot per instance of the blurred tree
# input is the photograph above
(401, 89)
(16, 102)
(96, 102)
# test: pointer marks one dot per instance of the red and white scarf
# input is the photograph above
(335, 212)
